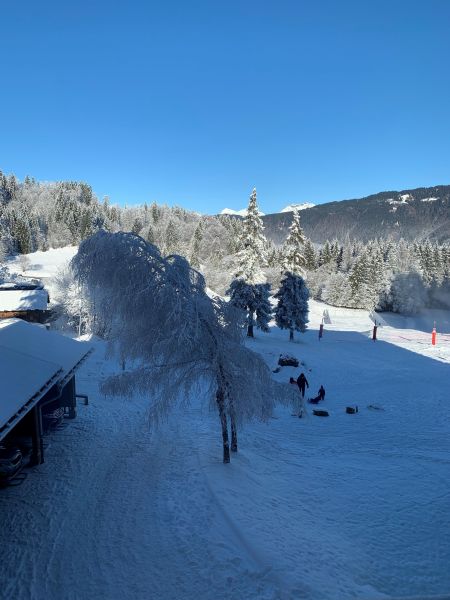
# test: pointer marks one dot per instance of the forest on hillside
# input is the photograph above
(401, 276)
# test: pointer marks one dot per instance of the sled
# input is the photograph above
(313, 400)
(321, 413)
(351, 410)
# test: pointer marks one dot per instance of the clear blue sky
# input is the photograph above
(195, 102)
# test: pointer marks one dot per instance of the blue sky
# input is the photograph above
(196, 102)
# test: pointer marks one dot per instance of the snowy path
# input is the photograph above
(353, 506)
(118, 513)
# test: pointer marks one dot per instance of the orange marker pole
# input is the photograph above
(433, 337)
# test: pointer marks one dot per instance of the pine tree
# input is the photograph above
(137, 226)
(362, 286)
(150, 237)
(325, 254)
(195, 246)
(292, 309)
(155, 212)
(254, 299)
(171, 238)
(252, 256)
(310, 256)
(293, 250)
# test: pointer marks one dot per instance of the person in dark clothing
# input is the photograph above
(302, 383)
(320, 396)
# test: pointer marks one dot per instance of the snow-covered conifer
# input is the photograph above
(254, 300)
(362, 286)
(293, 250)
(252, 255)
(310, 256)
(292, 309)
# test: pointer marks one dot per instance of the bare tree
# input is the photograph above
(25, 263)
(178, 339)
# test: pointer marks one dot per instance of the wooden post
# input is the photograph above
(37, 456)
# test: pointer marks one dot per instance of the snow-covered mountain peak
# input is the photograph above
(294, 207)
(241, 213)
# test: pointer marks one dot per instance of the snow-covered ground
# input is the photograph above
(43, 265)
(349, 506)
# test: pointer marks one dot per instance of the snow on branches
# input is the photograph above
(254, 299)
(292, 309)
(252, 256)
(178, 339)
(293, 249)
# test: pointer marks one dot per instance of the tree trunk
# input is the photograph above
(250, 325)
(291, 335)
(220, 398)
(234, 444)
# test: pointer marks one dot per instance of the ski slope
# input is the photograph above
(349, 506)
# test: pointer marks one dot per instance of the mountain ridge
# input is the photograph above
(417, 213)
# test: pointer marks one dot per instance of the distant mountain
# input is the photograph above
(239, 213)
(412, 214)
(293, 207)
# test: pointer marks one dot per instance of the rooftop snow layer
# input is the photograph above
(12, 300)
(39, 343)
(22, 378)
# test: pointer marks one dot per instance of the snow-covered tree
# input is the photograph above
(292, 309)
(252, 255)
(195, 246)
(294, 259)
(178, 339)
(337, 291)
(408, 293)
(362, 285)
(76, 311)
(310, 256)
(254, 300)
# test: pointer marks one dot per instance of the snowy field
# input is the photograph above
(43, 265)
(349, 506)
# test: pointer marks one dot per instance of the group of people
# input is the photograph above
(302, 383)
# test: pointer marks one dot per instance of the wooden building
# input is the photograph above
(37, 371)
(24, 301)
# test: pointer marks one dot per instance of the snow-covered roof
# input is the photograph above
(40, 343)
(14, 300)
(24, 380)
(31, 360)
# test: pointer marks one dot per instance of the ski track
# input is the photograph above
(353, 506)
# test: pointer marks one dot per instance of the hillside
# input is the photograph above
(410, 214)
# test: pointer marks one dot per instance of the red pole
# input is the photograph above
(433, 337)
